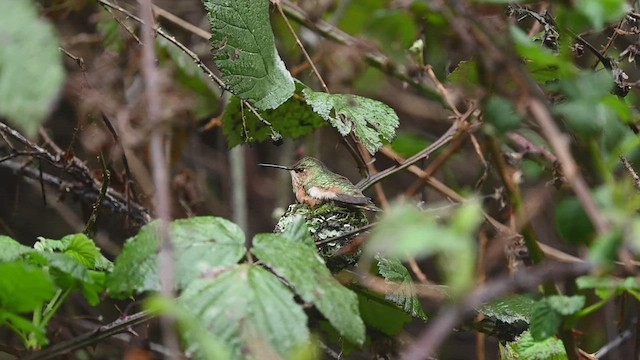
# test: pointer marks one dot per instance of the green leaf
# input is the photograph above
(135, 269)
(465, 74)
(370, 120)
(301, 266)
(608, 286)
(244, 51)
(200, 243)
(392, 270)
(30, 63)
(406, 230)
(500, 112)
(293, 119)
(66, 270)
(11, 250)
(601, 12)
(572, 222)
(525, 347)
(79, 247)
(545, 321)
(23, 325)
(381, 315)
(566, 305)
(408, 144)
(541, 57)
(23, 288)
(246, 306)
(510, 309)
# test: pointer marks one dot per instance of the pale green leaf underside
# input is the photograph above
(370, 120)
(244, 51)
(248, 305)
(31, 70)
(301, 266)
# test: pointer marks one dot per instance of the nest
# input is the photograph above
(329, 221)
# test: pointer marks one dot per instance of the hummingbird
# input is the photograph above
(314, 184)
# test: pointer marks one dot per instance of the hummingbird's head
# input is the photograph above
(305, 169)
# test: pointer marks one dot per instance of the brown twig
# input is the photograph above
(120, 325)
(455, 129)
(560, 144)
(631, 170)
(84, 186)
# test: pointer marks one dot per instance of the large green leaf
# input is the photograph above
(11, 250)
(293, 119)
(31, 70)
(245, 306)
(244, 51)
(301, 266)
(380, 314)
(370, 120)
(200, 243)
(23, 288)
(404, 295)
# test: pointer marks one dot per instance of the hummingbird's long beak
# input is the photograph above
(276, 166)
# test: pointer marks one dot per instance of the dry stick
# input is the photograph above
(456, 128)
(160, 171)
(180, 22)
(85, 186)
(304, 51)
(631, 170)
(438, 329)
(433, 167)
(560, 144)
(120, 325)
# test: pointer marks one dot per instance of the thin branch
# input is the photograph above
(457, 127)
(631, 170)
(304, 51)
(120, 325)
(560, 144)
(84, 186)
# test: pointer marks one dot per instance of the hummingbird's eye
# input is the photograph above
(298, 170)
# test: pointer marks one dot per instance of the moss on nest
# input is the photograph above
(327, 221)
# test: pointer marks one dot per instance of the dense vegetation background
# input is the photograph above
(500, 139)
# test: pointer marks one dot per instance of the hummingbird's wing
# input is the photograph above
(336, 195)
